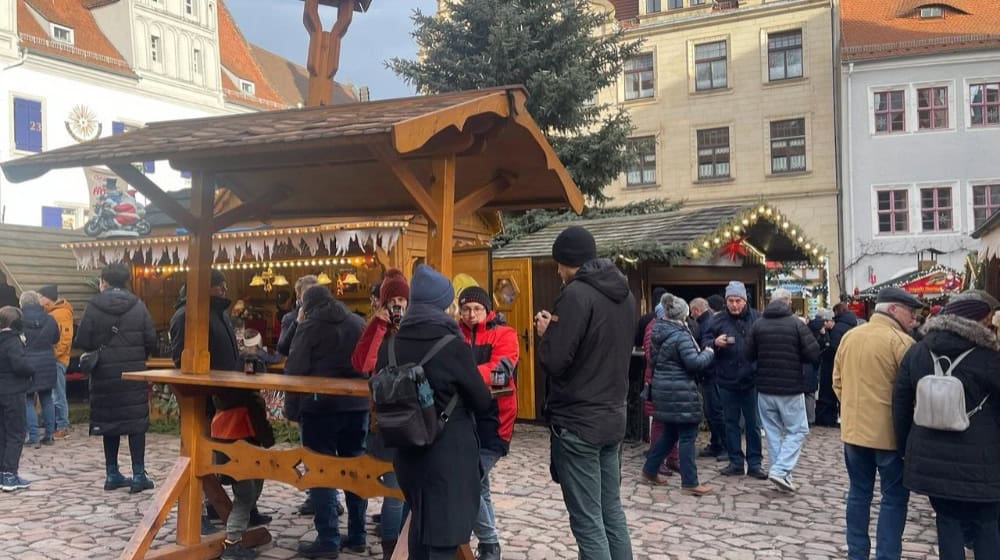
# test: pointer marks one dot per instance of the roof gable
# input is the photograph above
(291, 80)
(237, 58)
(90, 46)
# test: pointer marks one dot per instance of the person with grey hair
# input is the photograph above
(677, 365)
(781, 345)
(40, 332)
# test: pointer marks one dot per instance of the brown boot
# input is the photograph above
(699, 490)
(388, 547)
(652, 479)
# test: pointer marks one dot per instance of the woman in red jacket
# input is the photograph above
(495, 348)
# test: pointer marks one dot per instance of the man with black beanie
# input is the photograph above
(585, 348)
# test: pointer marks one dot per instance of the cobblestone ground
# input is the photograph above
(67, 514)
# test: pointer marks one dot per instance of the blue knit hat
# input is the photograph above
(430, 287)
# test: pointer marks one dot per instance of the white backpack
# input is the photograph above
(941, 398)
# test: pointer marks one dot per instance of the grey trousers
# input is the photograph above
(245, 494)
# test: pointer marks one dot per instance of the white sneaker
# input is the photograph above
(783, 483)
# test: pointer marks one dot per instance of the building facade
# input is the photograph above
(74, 70)
(921, 133)
(733, 103)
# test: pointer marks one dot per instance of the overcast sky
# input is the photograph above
(374, 37)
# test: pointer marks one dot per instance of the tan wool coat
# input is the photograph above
(864, 371)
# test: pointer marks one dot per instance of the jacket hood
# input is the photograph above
(946, 334)
(605, 277)
(329, 312)
(58, 304)
(776, 309)
(847, 318)
(115, 301)
(32, 314)
(815, 325)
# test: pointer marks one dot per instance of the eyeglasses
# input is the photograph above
(472, 311)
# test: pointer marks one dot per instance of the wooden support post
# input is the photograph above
(440, 237)
(195, 358)
(170, 490)
(193, 425)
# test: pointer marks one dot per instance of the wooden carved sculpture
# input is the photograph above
(324, 49)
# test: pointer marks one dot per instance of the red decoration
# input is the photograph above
(734, 248)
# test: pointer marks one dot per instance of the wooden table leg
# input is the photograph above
(194, 426)
(157, 513)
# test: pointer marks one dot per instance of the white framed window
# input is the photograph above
(641, 172)
(985, 201)
(639, 80)
(154, 48)
(62, 34)
(710, 66)
(931, 12)
(937, 208)
(196, 63)
(247, 87)
(189, 7)
(892, 210)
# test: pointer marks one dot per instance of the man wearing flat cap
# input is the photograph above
(864, 372)
(585, 349)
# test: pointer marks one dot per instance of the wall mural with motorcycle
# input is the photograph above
(115, 212)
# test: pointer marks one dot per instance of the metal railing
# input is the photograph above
(920, 43)
(70, 49)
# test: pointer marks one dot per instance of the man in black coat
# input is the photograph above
(782, 345)
(827, 404)
(222, 345)
(586, 345)
(711, 401)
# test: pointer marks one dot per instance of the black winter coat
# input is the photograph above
(41, 332)
(225, 354)
(962, 466)
(677, 363)
(812, 371)
(117, 407)
(782, 346)
(732, 369)
(586, 353)
(289, 323)
(15, 370)
(441, 481)
(322, 347)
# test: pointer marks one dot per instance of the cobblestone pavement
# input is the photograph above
(67, 514)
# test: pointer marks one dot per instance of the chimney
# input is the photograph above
(363, 94)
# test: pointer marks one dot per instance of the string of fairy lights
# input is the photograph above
(293, 263)
(744, 220)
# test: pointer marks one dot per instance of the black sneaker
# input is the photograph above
(47, 441)
(317, 549)
(357, 548)
(115, 481)
(709, 451)
(757, 473)
(731, 470)
(236, 551)
(306, 508)
(257, 518)
(488, 551)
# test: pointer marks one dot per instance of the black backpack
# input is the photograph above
(403, 400)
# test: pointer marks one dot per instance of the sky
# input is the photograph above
(374, 37)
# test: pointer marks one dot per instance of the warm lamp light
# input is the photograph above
(257, 280)
(351, 279)
(280, 280)
(323, 279)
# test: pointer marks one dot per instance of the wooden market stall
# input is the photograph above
(442, 156)
(691, 252)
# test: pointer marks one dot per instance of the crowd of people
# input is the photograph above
(754, 377)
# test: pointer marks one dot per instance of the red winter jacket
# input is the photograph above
(366, 351)
(490, 341)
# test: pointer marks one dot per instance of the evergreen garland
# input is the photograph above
(560, 50)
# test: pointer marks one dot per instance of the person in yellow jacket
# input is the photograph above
(60, 310)
(864, 371)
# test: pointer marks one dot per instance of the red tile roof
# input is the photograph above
(891, 28)
(90, 46)
(237, 58)
(291, 80)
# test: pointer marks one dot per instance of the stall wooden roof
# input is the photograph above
(348, 160)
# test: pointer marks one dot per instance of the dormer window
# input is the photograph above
(247, 87)
(62, 34)
(928, 12)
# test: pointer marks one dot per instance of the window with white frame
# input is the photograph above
(893, 211)
(936, 211)
(784, 55)
(985, 201)
(713, 153)
(788, 146)
(189, 7)
(932, 107)
(710, 66)
(984, 104)
(62, 34)
(890, 111)
(653, 6)
(154, 48)
(639, 76)
(196, 63)
(641, 171)
(247, 87)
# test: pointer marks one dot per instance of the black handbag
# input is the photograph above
(89, 360)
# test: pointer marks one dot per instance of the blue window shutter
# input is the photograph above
(117, 127)
(52, 217)
(149, 167)
(27, 125)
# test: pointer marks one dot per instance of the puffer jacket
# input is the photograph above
(733, 370)
(677, 365)
(15, 370)
(62, 312)
(41, 333)
(782, 345)
(952, 465)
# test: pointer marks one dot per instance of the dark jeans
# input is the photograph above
(341, 434)
(686, 434)
(711, 402)
(979, 518)
(862, 464)
(827, 405)
(136, 450)
(590, 478)
(13, 426)
(737, 404)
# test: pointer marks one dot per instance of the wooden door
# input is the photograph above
(512, 296)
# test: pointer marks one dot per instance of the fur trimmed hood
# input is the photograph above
(968, 329)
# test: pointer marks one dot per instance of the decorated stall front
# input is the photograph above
(989, 255)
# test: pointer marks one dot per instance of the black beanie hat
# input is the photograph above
(50, 291)
(574, 246)
(315, 296)
(716, 302)
(474, 294)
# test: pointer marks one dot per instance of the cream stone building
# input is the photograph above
(733, 102)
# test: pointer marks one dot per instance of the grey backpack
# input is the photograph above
(941, 398)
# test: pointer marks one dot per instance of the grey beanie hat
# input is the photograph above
(674, 308)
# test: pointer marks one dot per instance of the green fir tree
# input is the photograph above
(559, 50)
